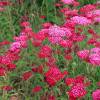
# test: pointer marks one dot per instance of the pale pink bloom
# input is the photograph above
(97, 19)
(83, 54)
(95, 51)
(2, 9)
(58, 31)
(80, 20)
(15, 45)
(55, 40)
(96, 12)
(93, 13)
(96, 95)
(67, 1)
(94, 59)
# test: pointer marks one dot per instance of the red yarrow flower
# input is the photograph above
(36, 89)
(7, 88)
(2, 71)
(27, 75)
(53, 75)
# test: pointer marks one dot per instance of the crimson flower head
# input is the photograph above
(68, 57)
(7, 88)
(45, 51)
(11, 66)
(38, 69)
(4, 3)
(53, 75)
(36, 89)
(2, 71)
(51, 97)
(42, 16)
(69, 81)
(73, 81)
(87, 8)
(27, 75)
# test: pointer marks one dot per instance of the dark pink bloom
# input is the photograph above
(66, 43)
(77, 91)
(87, 8)
(96, 94)
(83, 54)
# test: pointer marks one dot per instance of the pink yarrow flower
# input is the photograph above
(57, 33)
(77, 91)
(96, 94)
(81, 20)
(67, 1)
(94, 59)
(83, 54)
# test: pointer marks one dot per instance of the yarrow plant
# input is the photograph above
(58, 62)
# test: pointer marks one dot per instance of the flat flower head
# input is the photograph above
(27, 75)
(95, 51)
(7, 88)
(80, 20)
(77, 91)
(53, 75)
(83, 54)
(36, 89)
(67, 1)
(2, 71)
(94, 59)
(57, 31)
(96, 94)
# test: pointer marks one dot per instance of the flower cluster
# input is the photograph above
(92, 55)
(52, 58)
